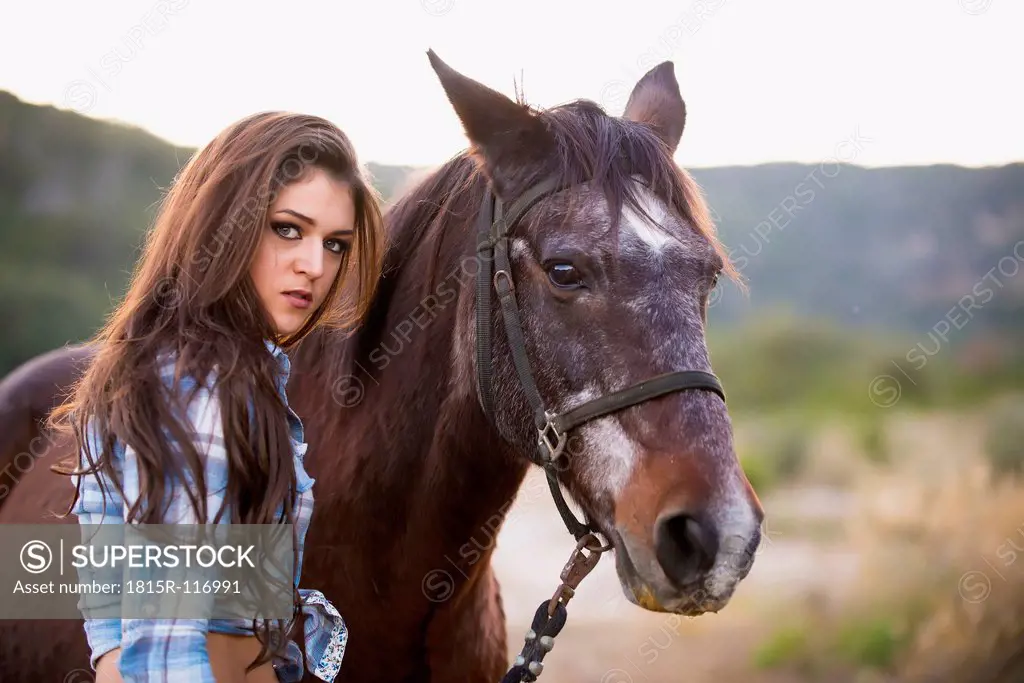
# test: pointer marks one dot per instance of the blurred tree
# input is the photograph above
(852, 251)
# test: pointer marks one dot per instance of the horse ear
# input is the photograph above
(505, 134)
(656, 101)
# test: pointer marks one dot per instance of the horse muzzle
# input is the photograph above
(690, 563)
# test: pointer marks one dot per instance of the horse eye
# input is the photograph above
(564, 275)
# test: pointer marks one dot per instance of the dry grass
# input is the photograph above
(939, 595)
(875, 570)
(975, 633)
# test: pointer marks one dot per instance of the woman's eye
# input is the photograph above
(565, 276)
(336, 246)
(283, 228)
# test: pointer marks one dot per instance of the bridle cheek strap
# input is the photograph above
(493, 228)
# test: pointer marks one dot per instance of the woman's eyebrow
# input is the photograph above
(345, 232)
(298, 215)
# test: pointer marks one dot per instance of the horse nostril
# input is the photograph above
(685, 547)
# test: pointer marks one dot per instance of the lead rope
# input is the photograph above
(551, 614)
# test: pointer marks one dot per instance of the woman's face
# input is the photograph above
(311, 226)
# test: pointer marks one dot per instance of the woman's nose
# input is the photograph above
(310, 260)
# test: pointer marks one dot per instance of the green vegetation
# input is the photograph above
(871, 431)
(776, 452)
(868, 263)
(787, 646)
(856, 642)
(1004, 437)
(869, 643)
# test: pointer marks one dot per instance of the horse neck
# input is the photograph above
(415, 460)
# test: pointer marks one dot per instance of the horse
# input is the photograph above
(424, 421)
(27, 395)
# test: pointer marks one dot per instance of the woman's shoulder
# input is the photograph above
(167, 365)
(182, 379)
(194, 394)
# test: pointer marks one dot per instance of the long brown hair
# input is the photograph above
(191, 295)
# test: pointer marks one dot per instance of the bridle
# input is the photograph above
(495, 223)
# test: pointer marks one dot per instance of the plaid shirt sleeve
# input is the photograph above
(99, 502)
(169, 649)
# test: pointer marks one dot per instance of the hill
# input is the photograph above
(886, 247)
(899, 250)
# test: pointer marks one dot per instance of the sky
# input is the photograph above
(871, 82)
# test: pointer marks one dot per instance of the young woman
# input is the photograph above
(183, 417)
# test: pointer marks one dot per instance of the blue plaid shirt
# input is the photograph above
(175, 650)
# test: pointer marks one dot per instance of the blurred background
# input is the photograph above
(863, 162)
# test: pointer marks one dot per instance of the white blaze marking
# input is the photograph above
(648, 232)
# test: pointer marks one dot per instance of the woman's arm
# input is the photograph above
(96, 505)
(176, 649)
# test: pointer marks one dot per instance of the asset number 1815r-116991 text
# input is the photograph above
(183, 587)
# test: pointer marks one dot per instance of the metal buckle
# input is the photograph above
(576, 569)
(544, 439)
(503, 276)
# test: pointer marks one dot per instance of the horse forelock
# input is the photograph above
(611, 154)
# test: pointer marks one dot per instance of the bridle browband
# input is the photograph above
(495, 223)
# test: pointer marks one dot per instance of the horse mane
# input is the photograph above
(448, 200)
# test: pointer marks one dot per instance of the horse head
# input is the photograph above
(611, 273)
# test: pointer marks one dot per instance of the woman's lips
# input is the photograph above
(297, 300)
